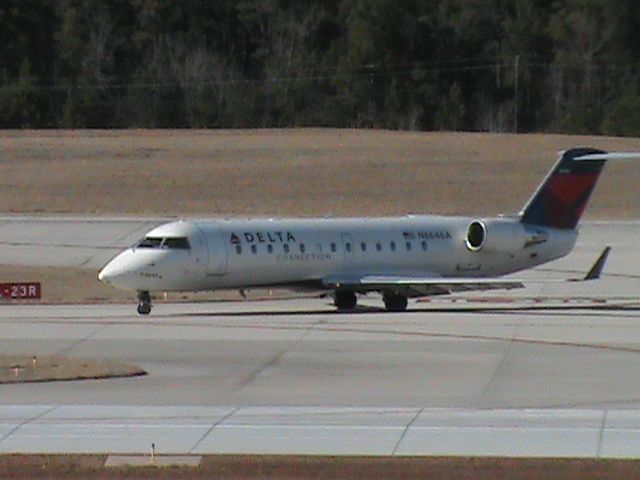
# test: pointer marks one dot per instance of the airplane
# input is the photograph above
(401, 257)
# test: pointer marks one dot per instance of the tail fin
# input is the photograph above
(562, 197)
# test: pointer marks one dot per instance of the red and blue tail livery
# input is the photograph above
(563, 196)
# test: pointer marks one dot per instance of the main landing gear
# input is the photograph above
(395, 302)
(144, 302)
(345, 299)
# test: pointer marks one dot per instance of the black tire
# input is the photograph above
(395, 303)
(345, 300)
(144, 302)
(144, 308)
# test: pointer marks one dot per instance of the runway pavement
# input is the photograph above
(59, 241)
(540, 372)
(295, 377)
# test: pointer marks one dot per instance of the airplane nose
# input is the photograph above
(130, 269)
(117, 269)
(107, 273)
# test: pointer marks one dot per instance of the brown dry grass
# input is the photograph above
(63, 285)
(291, 172)
(43, 368)
(19, 467)
(76, 285)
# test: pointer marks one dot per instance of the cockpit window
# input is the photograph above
(149, 242)
(177, 243)
(172, 243)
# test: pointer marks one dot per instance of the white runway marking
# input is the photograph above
(324, 431)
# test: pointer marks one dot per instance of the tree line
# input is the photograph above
(487, 65)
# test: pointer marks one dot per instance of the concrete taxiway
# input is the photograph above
(295, 377)
(51, 241)
(548, 371)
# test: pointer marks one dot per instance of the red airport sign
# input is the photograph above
(22, 290)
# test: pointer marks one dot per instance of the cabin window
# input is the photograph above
(270, 248)
(363, 246)
(285, 247)
(392, 246)
(302, 248)
(176, 243)
(408, 245)
(379, 246)
(149, 242)
(347, 246)
(254, 249)
(424, 246)
(238, 249)
(333, 247)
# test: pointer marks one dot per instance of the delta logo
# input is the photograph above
(262, 237)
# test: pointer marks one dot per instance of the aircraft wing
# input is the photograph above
(416, 286)
(419, 286)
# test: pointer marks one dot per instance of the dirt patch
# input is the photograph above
(292, 172)
(17, 467)
(42, 368)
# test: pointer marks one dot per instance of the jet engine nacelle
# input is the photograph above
(500, 235)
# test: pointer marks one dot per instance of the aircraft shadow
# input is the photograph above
(543, 310)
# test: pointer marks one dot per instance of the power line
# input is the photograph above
(116, 82)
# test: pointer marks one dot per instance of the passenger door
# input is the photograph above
(217, 251)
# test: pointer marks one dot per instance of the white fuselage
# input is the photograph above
(237, 254)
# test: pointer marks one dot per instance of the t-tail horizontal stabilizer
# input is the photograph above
(609, 156)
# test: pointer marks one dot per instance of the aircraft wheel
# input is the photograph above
(144, 308)
(144, 303)
(345, 300)
(395, 302)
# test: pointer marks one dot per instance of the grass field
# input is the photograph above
(292, 172)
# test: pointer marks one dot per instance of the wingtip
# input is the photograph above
(597, 268)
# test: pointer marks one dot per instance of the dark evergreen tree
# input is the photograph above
(493, 65)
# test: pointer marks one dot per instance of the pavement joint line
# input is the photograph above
(406, 429)
(503, 360)
(321, 327)
(633, 403)
(84, 264)
(27, 421)
(601, 433)
(206, 434)
(273, 360)
(311, 328)
(146, 226)
(58, 245)
(80, 341)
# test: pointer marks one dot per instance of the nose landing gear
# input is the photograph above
(144, 302)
